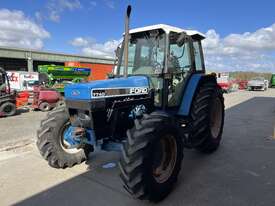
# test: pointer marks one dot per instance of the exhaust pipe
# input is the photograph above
(126, 40)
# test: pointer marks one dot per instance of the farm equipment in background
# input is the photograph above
(272, 81)
(45, 98)
(242, 84)
(159, 101)
(7, 96)
(48, 91)
(224, 81)
(98, 71)
(57, 77)
(22, 99)
(10, 100)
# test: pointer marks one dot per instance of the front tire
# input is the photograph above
(151, 157)
(50, 141)
(207, 117)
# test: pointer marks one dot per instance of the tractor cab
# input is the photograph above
(167, 55)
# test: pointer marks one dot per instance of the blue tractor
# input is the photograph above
(158, 101)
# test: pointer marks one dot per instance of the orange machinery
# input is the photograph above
(98, 71)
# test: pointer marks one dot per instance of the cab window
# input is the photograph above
(197, 55)
(179, 64)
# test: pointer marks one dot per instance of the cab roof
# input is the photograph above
(168, 29)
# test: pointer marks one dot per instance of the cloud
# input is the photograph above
(110, 4)
(55, 8)
(16, 30)
(90, 47)
(80, 42)
(248, 51)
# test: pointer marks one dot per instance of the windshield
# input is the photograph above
(146, 53)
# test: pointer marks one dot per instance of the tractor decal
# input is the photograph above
(118, 92)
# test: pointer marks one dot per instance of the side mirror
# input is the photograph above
(182, 39)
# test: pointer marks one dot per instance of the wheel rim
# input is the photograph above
(46, 107)
(65, 145)
(165, 157)
(216, 118)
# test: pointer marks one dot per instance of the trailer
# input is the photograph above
(22, 80)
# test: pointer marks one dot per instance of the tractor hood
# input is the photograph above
(133, 85)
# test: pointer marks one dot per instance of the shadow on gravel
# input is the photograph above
(241, 172)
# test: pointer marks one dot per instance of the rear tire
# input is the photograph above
(151, 157)
(49, 141)
(8, 109)
(207, 116)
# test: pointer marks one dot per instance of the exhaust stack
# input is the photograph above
(126, 40)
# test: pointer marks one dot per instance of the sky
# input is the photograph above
(240, 35)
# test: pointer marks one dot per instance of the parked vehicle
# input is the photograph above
(45, 99)
(154, 105)
(257, 83)
(22, 80)
(7, 96)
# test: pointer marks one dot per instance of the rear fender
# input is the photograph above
(190, 90)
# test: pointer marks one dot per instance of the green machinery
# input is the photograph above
(58, 77)
(272, 81)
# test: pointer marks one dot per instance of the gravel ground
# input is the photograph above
(19, 128)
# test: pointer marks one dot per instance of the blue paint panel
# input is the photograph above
(188, 95)
(74, 141)
(82, 69)
(82, 91)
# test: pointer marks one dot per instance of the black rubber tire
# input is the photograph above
(48, 141)
(137, 157)
(60, 103)
(11, 106)
(200, 135)
(45, 107)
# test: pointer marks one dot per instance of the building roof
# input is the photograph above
(167, 29)
(38, 55)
